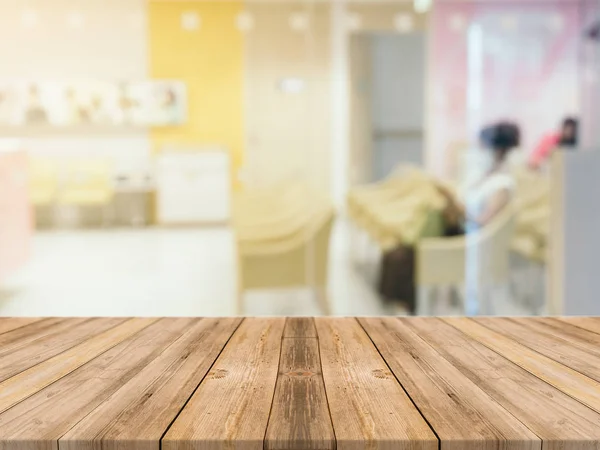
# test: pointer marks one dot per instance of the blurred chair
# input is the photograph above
(480, 259)
(88, 183)
(287, 249)
(43, 187)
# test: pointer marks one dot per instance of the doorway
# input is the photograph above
(387, 82)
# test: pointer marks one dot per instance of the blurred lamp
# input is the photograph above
(299, 21)
(291, 85)
(404, 23)
(190, 21)
(245, 21)
(422, 6)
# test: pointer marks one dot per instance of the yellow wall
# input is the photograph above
(210, 61)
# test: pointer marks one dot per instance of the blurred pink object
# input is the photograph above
(544, 149)
(15, 212)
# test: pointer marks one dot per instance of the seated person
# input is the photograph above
(478, 203)
(566, 138)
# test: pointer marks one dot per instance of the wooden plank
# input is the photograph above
(548, 343)
(369, 409)
(139, 413)
(30, 381)
(300, 416)
(40, 420)
(22, 336)
(11, 323)
(302, 327)
(587, 323)
(462, 415)
(559, 420)
(231, 407)
(569, 381)
(16, 358)
(571, 334)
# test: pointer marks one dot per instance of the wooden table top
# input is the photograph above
(299, 383)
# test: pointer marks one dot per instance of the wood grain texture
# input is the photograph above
(18, 357)
(559, 420)
(302, 327)
(441, 392)
(299, 384)
(369, 409)
(571, 334)
(582, 357)
(230, 409)
(11, 323)
(22, 336)
(30, 381)
(569, 381)
(139, 413)
(37, 422)
(299, 417)
(587, 323)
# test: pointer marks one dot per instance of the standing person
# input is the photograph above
(566, 138)
(479, 202)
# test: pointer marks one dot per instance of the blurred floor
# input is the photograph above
(167, 272)
(158, 272)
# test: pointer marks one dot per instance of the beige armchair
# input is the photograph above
(478, 261)
(284, 247)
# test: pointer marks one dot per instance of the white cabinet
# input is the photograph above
(193, 187)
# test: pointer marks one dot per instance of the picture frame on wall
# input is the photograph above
(152, 103)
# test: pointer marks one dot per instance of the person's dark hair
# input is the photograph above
(501, 137)
(569, 140)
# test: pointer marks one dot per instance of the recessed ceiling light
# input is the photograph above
(404, 22)
(292, 85)
(190, 21)
(244, 21)
(299, 21)
(422, 6)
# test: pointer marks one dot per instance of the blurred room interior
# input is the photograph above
(213, 158)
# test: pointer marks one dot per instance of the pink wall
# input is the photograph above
(528, 70)
(15, 213)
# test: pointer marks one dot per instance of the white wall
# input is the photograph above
(574, 243)
(73, 40)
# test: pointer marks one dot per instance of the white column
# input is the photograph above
(340, 105)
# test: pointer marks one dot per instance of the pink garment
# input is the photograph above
(544, 149)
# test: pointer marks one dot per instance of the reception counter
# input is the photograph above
(299, 383)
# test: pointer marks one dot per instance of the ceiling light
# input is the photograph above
(299, 21)
(422, 6)
(292, 85)
(190, 21)
(244, 21)
(404, 23)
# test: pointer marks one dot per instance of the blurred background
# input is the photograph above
(175, 158)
